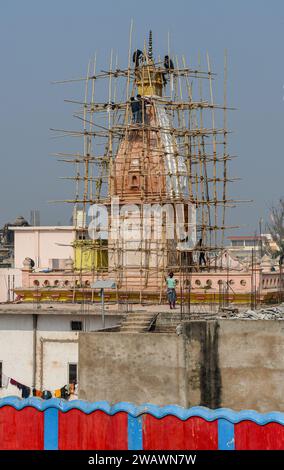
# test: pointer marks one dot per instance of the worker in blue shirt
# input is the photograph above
(171, 290)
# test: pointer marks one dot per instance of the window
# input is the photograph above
(0, 374)
(72, 373)
(76, 326)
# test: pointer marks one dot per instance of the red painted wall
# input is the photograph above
(171, 433)
(21, 430)
(97, 431)
(252, 436)
(24, 430)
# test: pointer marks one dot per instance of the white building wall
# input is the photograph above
(16, 350)
(55, 351)
(62, 323)
(56, 347)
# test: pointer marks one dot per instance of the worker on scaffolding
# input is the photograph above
(134, 104)
(138, 108)
(202, 258)
(171, 290)
(139, 112)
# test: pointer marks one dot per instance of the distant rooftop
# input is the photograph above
(247, 237)
(43, 228)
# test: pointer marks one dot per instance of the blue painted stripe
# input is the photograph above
(135, 411)
(226, 435)
(135, 435)
(51, 429)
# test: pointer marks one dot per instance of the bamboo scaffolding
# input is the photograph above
(193, 130)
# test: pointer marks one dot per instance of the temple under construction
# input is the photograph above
(151, 188)
(151, 151)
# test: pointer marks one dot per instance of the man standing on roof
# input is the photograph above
(171, 290)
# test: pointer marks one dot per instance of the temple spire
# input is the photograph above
(150, 46)
(149, 78)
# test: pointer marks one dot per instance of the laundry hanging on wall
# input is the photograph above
(64, 392)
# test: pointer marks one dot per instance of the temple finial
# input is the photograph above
(150, 46)
(149, 79)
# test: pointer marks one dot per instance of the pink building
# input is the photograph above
(231, 279)
(47, 246)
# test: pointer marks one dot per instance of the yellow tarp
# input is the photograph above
(90, 255)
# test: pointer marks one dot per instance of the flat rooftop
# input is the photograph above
(42, 228)
(56, 309)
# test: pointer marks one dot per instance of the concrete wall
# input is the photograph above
(131, 367)
(237, 364)
(251, 356)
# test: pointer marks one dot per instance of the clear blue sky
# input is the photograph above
(46, 40)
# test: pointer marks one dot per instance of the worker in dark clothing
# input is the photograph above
(137, 56)
(168, 63)
(138, 108)
(202, 259)
(139, 111)
(134, 108)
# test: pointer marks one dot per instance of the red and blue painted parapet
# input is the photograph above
(79, 425)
